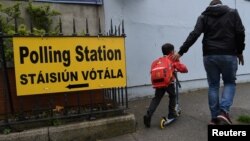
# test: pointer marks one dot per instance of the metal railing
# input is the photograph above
(37, 110)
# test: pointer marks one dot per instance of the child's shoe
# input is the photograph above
(147, 121)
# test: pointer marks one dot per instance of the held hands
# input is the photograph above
(176, 56)
(241, 59)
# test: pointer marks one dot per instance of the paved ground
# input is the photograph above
(191, 125)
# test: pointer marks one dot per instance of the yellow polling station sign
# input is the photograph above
(61, 64)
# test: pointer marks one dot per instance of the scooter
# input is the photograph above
(164, 120)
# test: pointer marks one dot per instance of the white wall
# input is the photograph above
(151, 23)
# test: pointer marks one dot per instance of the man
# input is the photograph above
(223, 42)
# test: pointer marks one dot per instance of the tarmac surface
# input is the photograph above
(191, 125)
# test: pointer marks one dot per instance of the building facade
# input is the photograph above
(149, 24)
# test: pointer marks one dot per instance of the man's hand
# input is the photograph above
(176, 56)
(241, 59)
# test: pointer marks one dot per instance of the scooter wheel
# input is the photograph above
(162, 125)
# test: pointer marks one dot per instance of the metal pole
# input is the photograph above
(100, 29)
(74, 28)
(60, 27)
(111, 28)
(126, 95)
(87, 28)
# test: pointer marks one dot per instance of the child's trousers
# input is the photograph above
(159, 93)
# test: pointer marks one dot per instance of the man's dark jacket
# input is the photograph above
(224, 33)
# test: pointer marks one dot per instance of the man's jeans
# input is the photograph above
(226, 65)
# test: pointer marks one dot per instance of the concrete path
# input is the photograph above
(191, 125)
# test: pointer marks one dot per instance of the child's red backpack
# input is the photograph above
(161, 72)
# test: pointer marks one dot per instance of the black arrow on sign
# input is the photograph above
(77, 86)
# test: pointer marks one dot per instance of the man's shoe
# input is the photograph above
(147, 120)
(214, 121)
(224, 118)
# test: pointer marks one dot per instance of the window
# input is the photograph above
(97, 2)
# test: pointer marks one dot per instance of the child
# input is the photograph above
(168, 50)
